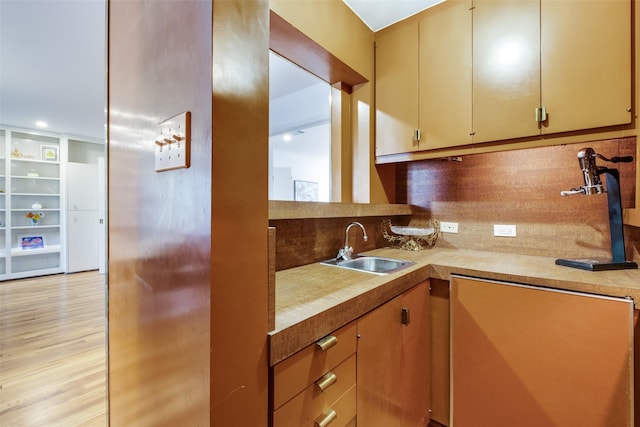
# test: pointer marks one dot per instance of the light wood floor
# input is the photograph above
(52, 351)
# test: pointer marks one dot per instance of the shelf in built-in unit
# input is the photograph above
(51, 249)
(36, 194)
(49, 178)
(26, 227)
(32, 209)
(22, 159)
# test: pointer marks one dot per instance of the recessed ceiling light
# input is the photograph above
(41, 124)
(286, 137)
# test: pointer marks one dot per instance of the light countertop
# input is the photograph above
(313, 300)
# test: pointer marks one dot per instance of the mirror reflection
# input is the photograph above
(299, 133)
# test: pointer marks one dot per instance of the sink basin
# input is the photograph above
(371, 264)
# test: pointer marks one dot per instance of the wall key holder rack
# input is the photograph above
(173, 145)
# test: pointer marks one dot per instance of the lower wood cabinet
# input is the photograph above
(379, 379)
(329, 400)
(316, 387)
(528, 356)
(393, 362)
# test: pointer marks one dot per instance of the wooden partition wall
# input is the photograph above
(188, 248)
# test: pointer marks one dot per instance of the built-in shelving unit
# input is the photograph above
(31, 200)
(61, 180)
(3, 205)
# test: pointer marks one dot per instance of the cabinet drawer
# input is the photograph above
(336, 404)
(297, 372)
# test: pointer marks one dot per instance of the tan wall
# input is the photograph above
(187, 322)
(331, 24)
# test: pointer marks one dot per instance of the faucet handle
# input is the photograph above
(345, 253)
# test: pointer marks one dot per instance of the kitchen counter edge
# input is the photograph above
(339, 296)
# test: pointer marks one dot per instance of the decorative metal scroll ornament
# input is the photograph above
(411, 238)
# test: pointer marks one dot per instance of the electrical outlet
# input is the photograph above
(504, 230)
(449, 227)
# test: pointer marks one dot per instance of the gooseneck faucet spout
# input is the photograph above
(347, 251)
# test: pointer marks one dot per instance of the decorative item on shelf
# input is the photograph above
(28, 243)
(16, 153)
(33, 173)
(49, 153)
(411, 238)
(34, 216)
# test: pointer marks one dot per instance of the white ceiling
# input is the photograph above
(378, 14)
(53, 65)
(53, 59)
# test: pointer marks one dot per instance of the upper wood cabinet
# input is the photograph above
(502, 70)
(397, 90)
(423, 81)
(506, 69)
(585, 65)
(534, 74)
(445, 76)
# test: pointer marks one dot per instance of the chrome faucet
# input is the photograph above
(347, 252)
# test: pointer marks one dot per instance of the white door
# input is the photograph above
(102, 215)
(82, 187)
(83, 241)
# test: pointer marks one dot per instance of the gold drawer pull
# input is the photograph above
(327, 342)
(325, 419)
(327, 381)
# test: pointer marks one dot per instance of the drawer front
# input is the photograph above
(297, 372)
(334, 407)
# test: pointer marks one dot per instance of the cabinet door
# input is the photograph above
(393, 363)
(586, 65)
(445, 75)
(397, 89)
(525, 356)
(415, 356)
(82, 245)
(506, 69)
(82, 187)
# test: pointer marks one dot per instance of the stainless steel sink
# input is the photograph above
(371, 264)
